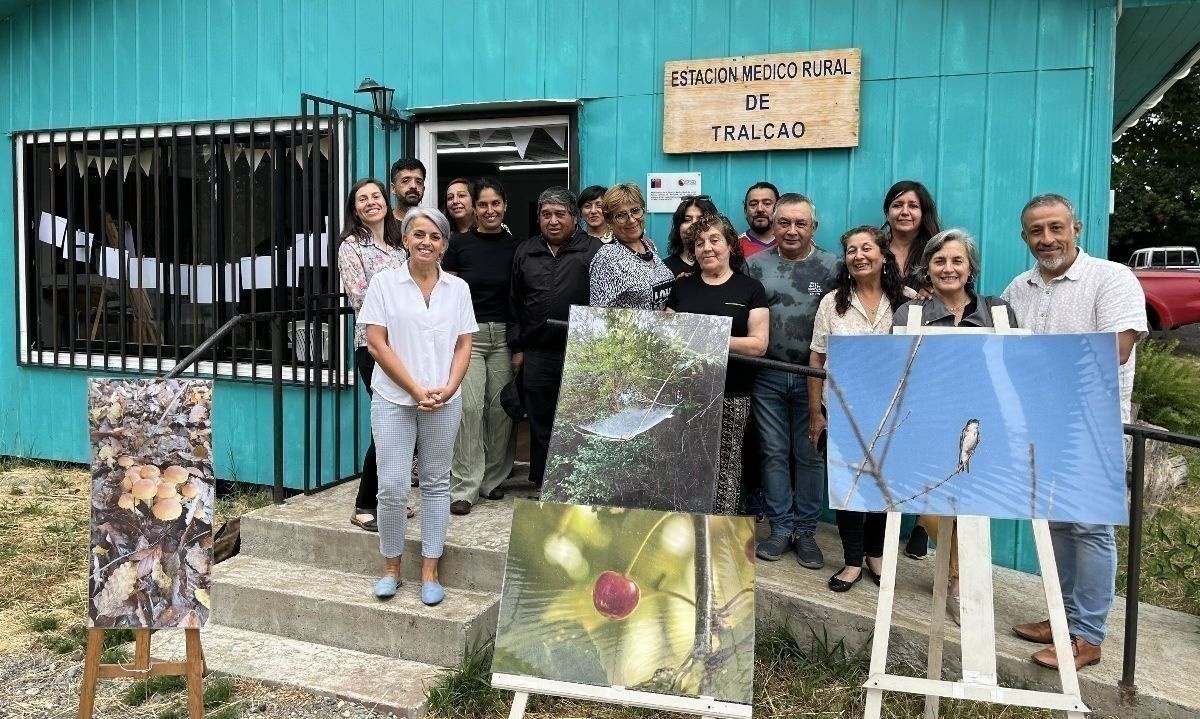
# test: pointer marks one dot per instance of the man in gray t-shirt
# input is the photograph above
(796, 274)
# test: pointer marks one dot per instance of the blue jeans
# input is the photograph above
(793, 473)
(1086, 555)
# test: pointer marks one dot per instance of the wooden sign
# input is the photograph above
(790, 101)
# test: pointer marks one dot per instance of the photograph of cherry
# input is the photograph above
(152, 502)
(647, 600)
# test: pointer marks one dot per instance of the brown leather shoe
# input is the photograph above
(1086, 654)
(1037, 632)
(460, 506)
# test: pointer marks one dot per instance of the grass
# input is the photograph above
(1170, 548)
(1168, 390)
(815, 677)
(44, 558)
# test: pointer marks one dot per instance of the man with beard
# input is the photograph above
(550, 273)
(758, 205)
(1068, 290)
(408, 185)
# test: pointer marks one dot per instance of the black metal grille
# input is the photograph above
(136, 243)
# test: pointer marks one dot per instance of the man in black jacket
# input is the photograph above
(550, 273)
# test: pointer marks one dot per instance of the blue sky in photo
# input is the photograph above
(1059, 393)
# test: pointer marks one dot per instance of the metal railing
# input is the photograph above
(276, 319)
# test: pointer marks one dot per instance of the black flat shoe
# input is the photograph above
(875, 576)
(370, 525)
(918, 544)
(841, 585)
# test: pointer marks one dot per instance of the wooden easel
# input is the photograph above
(191, 667)
(978, 619)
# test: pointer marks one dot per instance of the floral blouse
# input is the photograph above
(856, 321)
(358, 262)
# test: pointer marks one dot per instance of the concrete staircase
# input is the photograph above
(296, 606)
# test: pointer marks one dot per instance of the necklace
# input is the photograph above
(646, 256)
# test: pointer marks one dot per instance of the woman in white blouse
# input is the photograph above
(419, 322)
(869, 290)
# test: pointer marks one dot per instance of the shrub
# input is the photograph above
(1167, 387)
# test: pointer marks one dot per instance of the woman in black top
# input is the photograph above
(910, 219)
(690, 209)
(484, 449)
(720, 288)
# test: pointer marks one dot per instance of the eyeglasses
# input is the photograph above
(693, 198)
(626, 215)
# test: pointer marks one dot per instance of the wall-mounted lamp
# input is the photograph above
(381, 99)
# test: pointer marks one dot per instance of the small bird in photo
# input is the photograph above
(967, 442)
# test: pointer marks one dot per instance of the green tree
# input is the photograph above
(1156, 175)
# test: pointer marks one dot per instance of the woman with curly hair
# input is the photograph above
(868, 291)
(720, 288)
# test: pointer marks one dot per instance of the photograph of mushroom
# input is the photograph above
(652, 601)
(152, 502)
(638, 422)
(1002, 426)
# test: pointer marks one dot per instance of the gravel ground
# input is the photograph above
(37, 685)
(1188, 336)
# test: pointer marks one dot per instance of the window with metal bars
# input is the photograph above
(135, 244)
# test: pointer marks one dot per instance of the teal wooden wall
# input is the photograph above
(985, 102)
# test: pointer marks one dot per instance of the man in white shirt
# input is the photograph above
(1068, 290)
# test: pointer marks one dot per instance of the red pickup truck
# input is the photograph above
(1172, 297)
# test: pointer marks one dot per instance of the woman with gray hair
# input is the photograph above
(419, 323)
(949, 266)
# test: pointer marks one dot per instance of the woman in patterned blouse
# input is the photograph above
(869, 289)
(628, 272)
(370, 244)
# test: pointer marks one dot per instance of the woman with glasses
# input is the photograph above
(591, 211)
(628, 272)
(690, 209)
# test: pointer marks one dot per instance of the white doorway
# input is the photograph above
(525, 154)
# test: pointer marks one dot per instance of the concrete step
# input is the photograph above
(338, 609)
(386, 685)
(316, 531)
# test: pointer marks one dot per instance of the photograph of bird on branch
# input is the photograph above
(659, 602)
(638, 422)
(1011, 427)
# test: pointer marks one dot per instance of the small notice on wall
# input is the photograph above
(664, 190)
(799, 100)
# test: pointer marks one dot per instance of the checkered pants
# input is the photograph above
(397, 430)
